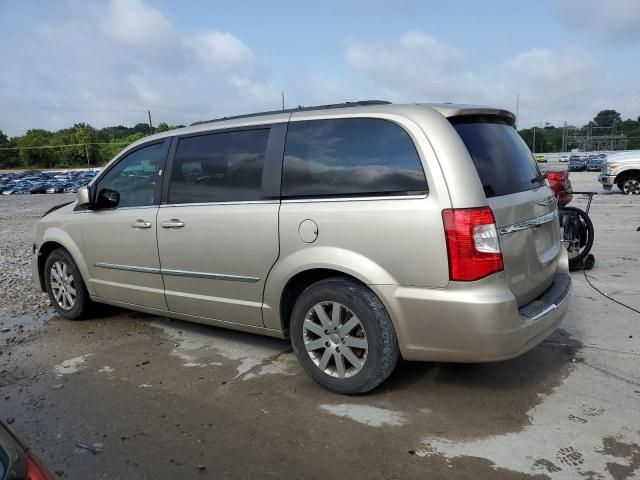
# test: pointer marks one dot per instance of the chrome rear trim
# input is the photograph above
(534, 222)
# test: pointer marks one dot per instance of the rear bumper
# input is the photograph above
(476, 321)
(607, 181)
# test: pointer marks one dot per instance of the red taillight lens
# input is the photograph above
(35, 471)
(472, 243)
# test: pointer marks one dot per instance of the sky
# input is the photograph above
(107, 62)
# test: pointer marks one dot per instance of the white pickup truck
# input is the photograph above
(623, 170)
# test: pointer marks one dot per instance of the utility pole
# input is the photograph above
(534, 140)
(150, 124)
(86, 151)
(282, 100)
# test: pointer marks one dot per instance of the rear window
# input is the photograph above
(350, 157)
(503, 160)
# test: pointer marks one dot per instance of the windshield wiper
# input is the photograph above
(540, 178)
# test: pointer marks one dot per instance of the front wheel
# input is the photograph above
(630, 185)
(343, 336)
(65, 286)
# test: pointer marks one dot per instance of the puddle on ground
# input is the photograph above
(366, 414)
(10, 326)
(201, 346)
(577, 429)
(70, 366)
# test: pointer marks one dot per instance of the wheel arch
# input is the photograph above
(57, 238)
(624, 175)
(290, 276)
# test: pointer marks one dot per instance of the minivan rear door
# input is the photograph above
(523, 205)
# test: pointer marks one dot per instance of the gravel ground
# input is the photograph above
(18, 215)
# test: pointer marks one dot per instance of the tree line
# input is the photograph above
(548, 137)
(83, 145)
(79, 146)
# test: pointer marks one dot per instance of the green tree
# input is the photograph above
(36, 157)
(164, 127)
(8, 158)
(607, 118)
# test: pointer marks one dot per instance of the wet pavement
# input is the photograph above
(127, 395)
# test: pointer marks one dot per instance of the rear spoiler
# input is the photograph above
(453, 110)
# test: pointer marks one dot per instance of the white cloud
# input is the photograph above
(555, 85)
(612, 20)
(416, 68)
(108, 63)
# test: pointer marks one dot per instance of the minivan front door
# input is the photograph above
(217, 235)
(119, 235)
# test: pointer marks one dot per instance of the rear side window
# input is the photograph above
(503, 161)
(219, 167)
(350, 157)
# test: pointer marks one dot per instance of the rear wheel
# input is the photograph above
(343, 336)
(65, 286)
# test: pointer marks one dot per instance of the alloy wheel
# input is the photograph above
(631, 187)
(335, 339)
(62, 285)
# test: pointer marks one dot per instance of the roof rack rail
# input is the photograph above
(361, 103)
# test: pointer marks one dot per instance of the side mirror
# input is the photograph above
(84, 199)
(107, 198)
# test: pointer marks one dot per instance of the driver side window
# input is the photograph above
(133, 181)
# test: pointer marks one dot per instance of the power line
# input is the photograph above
(63, 146)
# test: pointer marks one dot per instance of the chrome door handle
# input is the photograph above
(173, 223)
(141, 224)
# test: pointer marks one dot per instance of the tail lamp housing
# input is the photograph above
(473, 244)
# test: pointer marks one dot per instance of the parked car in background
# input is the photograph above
(594, 164)
(44, 182)
(577, 164)
(337, 226)
(17, 461)
(623, 170)
(564, 158)
(540, 158)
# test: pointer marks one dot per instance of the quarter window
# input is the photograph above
(219, 167)
(350, 157)
(135, 177)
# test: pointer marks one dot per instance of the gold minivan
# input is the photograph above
(363, 232)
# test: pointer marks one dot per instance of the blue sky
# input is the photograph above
(107, 62)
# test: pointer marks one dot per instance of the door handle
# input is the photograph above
(141, 224)
(173, 223)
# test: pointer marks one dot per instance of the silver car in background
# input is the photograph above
(363, 232)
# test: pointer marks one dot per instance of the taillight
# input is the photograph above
(35, 471)
(472, 243)
(555, 176)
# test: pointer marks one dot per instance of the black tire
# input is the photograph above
(587, 235)
(589, 262)
(382, 351)
(630, 185)
(82, 302)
